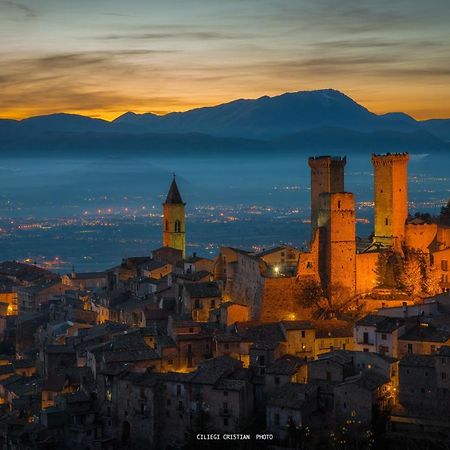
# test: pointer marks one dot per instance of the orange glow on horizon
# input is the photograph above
(398, 102)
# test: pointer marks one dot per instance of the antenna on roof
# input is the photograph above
(173, 173)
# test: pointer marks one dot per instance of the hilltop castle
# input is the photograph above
(277, 284)
(333, 261)
(339, 264)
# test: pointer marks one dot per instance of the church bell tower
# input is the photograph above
(174, 223)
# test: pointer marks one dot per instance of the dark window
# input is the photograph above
(365, 338)
(276, 419)
(444, 265)
(225, 421)
(177, 226)
(303, 333)
(444, 375)
(178, 390)
(339, 204)
(410, 348)
(277, 380)
(384, 337)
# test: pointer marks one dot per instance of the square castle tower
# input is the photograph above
(391, 198)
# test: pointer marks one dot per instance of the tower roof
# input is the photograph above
(174, 196)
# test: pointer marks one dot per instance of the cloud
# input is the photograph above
(82, 82)
(175, 35)
(14, 7)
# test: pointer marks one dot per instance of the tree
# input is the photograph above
(388, 269)
(381, 267)
(309, 292)
(411, 277)
(338, 302)
(431, 280)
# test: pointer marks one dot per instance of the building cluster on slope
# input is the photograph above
(160, 348)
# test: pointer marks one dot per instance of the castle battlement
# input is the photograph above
(389, 158)
(327, 161)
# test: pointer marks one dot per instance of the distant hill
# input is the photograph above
(317, 120)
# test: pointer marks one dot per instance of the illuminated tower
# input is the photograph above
(337, 241)
(391, 198)
(327, 175)
(174, 234)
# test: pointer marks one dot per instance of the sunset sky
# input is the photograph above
(104, 57)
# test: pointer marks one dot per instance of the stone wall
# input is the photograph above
(280, 300)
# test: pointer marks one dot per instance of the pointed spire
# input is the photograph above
(174, 196)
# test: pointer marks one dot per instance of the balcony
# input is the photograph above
(363, 342)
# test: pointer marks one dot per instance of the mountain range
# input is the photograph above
(323, 120)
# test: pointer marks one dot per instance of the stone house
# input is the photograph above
(423, 339)
(423, 396)
(290, 407)
(332, 335)
(136, 410)
(198, 264)
(300, 337)
(229, 313)
(263, 354)
(230, 344)
(379, 334)
(331, 367)
(85, 280)
(199, 299)
(286, 369)
(361, 397)
(418, 381)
